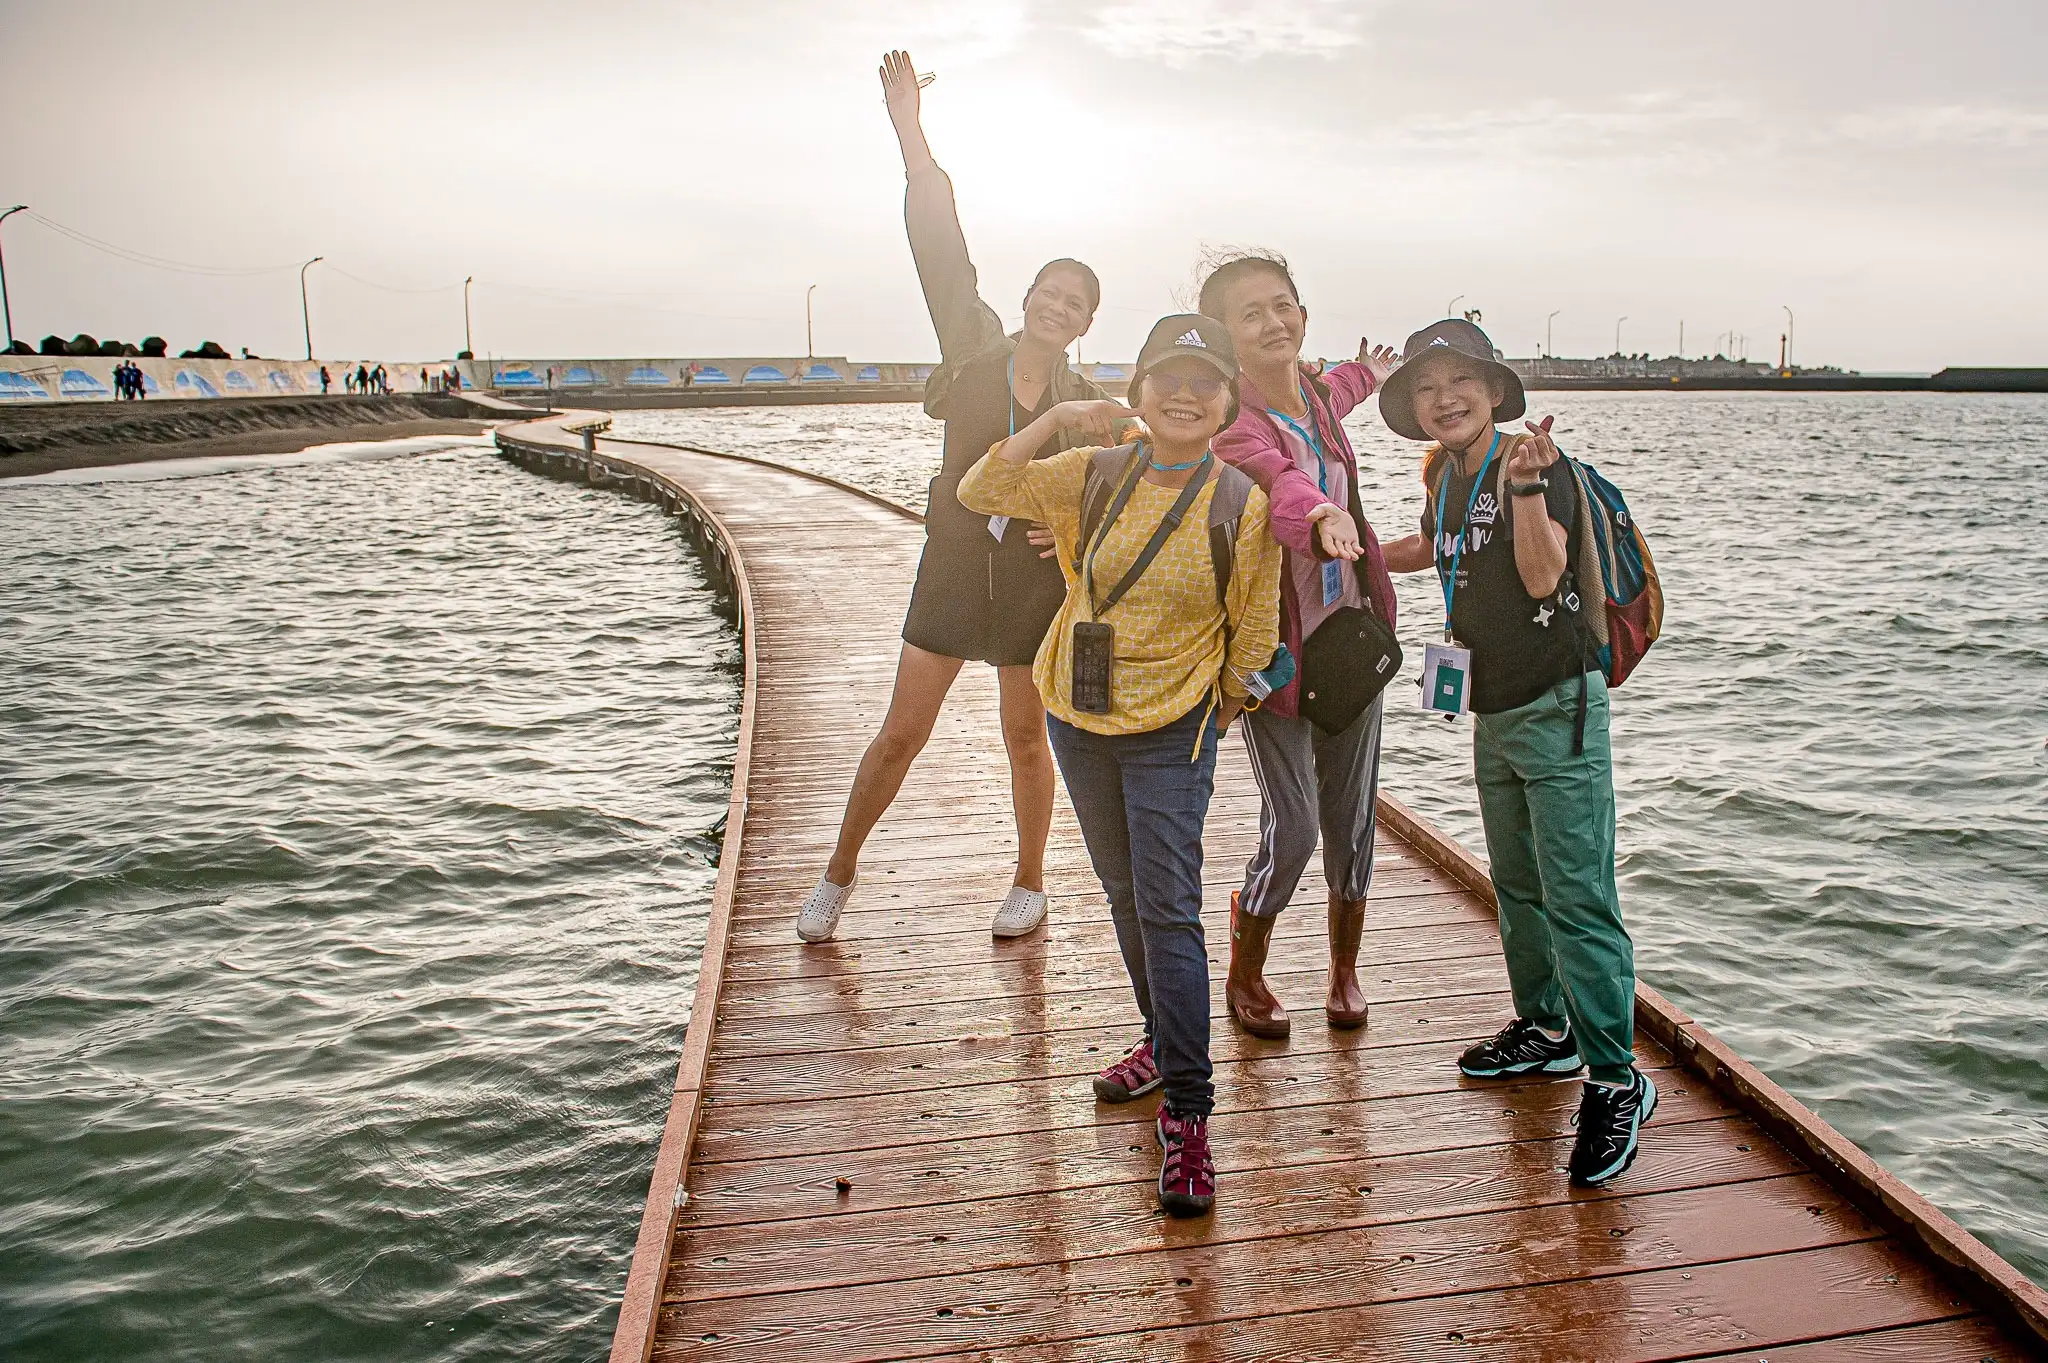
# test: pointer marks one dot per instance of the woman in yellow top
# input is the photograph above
(1172, 606)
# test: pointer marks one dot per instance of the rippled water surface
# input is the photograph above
(353, 879)
(1833, 771)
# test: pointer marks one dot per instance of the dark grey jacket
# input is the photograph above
(968, 328)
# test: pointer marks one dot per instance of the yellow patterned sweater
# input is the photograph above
(1170, 631)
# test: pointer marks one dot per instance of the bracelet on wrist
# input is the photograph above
(1528, 489)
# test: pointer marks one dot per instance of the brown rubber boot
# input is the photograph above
(1345, 1006)
(1244, 988)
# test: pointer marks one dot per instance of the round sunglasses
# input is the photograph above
(1203, 386)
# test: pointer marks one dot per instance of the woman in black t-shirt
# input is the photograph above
(982, 592)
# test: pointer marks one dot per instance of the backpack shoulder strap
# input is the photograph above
(1106, 470)
(1226, 509)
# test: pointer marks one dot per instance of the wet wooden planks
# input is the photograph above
(897, 1154)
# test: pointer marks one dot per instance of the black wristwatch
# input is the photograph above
(1528, 489)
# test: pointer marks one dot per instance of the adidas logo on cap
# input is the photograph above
(1438, 340)
(1190, 337)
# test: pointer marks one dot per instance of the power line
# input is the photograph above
(153, 262)
(387, 288)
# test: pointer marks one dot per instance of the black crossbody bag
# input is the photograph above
(1352, 655)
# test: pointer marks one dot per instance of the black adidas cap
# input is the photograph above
(1188, 333)
(1397, 402)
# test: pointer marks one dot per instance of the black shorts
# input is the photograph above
(985, 602)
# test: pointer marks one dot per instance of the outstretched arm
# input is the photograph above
(964, 323)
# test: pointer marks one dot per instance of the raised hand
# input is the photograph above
(1533, 455)
(1379, 360)
(900, 89)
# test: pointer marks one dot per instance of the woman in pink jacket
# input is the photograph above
(1290, 438)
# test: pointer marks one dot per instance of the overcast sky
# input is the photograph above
(668, 179)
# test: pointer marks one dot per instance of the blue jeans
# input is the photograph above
(1141, 803)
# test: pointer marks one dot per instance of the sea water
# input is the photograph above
(353, 872)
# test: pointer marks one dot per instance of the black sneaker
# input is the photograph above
(1521, 1048)
(1610, 1123)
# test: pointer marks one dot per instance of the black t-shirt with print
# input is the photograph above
(1521, 647)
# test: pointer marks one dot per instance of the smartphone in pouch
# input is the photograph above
(1094, 649)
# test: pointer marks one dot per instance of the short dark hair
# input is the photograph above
(1089, 283)
(1231, 266)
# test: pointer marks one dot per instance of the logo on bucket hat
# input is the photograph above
(1397, 397)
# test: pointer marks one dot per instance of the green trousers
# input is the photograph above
(1549, 816)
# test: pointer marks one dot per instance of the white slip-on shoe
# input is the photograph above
(820, 915)
(1022, 911)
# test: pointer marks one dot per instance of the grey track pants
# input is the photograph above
(1311, 781)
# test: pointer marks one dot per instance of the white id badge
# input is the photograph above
(1446, 680)
(997, 525)
(1333, 580)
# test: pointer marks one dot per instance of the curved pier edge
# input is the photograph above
(2003, 1288)
(559, 445)
(564, 444)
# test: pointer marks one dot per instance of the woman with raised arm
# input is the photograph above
(1171, 612)
(982, 592)
(1313, 776)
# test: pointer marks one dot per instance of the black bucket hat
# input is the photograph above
(1397, 401)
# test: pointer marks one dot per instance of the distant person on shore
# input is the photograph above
(1170, 610)
(381, 380)
(1289, 437)
(689, 374)
(982, 592)
(362, 379)
(326, 380)
(1497, 520)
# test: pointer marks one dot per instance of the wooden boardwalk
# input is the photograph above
(885, 1147)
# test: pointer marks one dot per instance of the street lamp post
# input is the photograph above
(5, 307)
(810, 348)
(1788, 335)
(1681, 338)
(468, 346)
(1617, 333)
(1451, 308)
(1549, 351)
(306, 308)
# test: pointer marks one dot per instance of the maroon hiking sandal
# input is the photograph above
(1187, 1172)
(1134, 1076)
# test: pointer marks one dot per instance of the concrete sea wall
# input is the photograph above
(90, 378)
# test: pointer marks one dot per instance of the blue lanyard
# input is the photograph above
(1312, 440)
(1010, 390)
(1450, 580)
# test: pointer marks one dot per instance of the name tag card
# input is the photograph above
(1446, 680)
